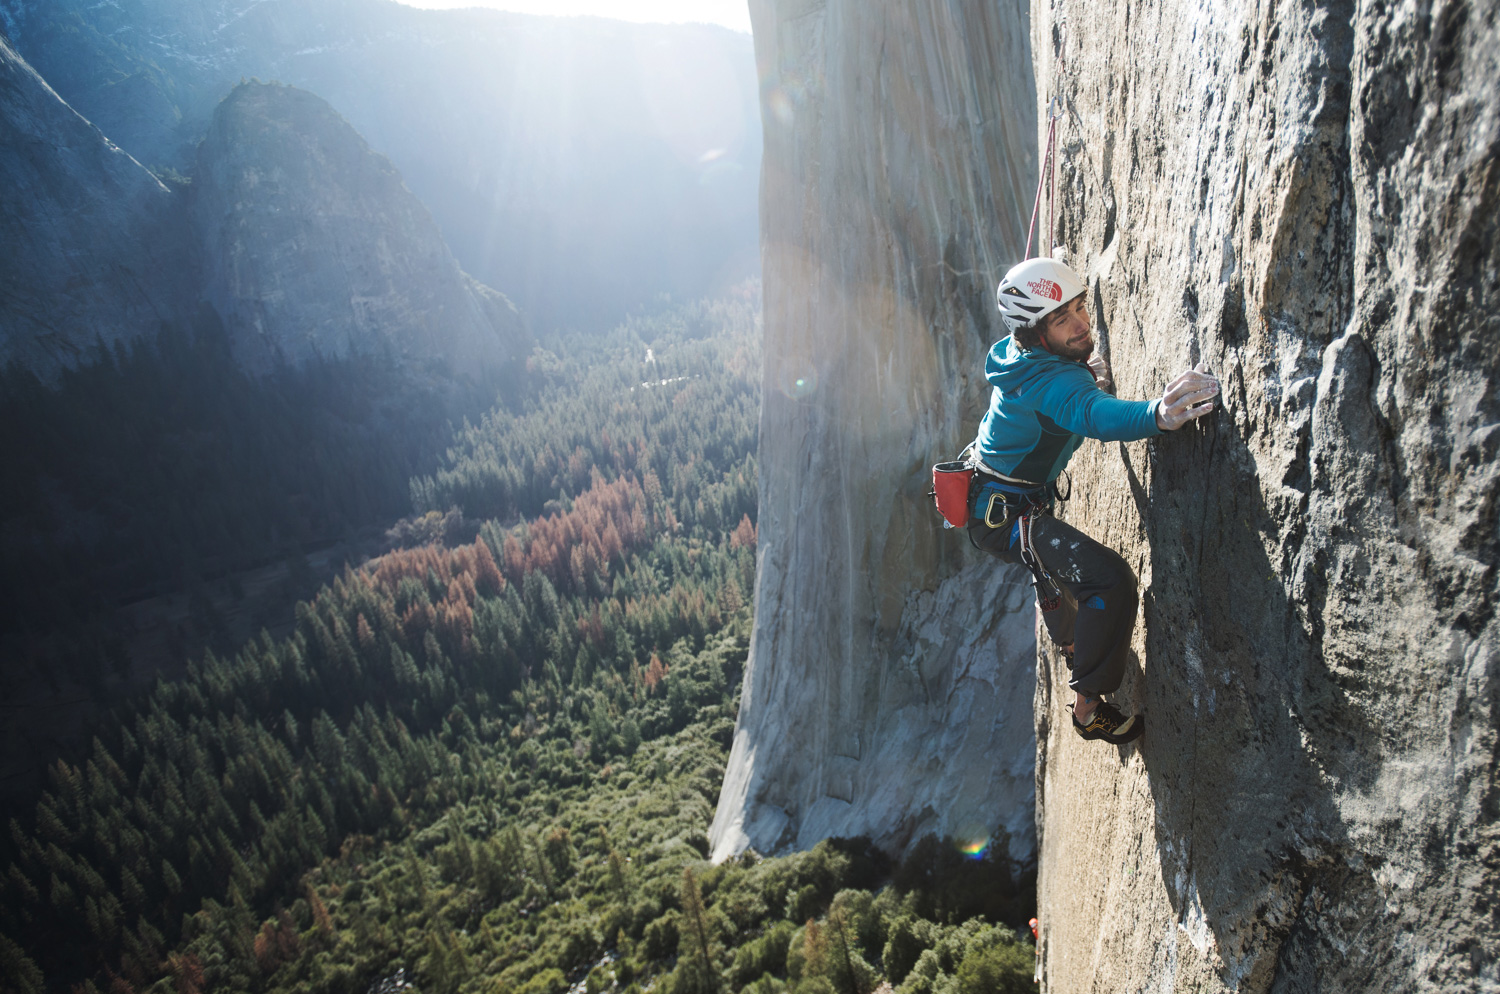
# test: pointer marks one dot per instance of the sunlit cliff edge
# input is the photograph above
(1304, 196)
(891, 668)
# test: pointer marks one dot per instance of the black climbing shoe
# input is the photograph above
(1109, 724)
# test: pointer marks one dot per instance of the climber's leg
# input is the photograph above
(1094, 618)
(1005, 544)
(1062, 621)
(1103, 588)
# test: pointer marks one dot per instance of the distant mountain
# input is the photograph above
(581, 165)
(311, 245)
(91, 249)
(303, 239)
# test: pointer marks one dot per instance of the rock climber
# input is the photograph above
(1052, 390)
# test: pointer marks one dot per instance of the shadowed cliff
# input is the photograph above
(1305, 197)
(312, 245)
(91, 244)
(581, 165)
(305, 241)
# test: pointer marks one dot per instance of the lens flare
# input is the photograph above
(787, 94)
(798, 382)
(781, 106)
(975, 849)
(718, 171)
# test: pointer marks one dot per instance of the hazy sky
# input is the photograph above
(730, 13)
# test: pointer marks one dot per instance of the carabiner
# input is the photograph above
(989, 511)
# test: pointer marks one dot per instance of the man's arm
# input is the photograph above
(1073, 400)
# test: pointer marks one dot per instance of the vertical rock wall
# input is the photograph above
(1304, 195)
(890, 676)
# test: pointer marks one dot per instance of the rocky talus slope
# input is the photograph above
(91, 247)
(1305, 196)
(890, 677)
(312, 245)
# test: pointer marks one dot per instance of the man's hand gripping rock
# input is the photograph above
(1188, 397)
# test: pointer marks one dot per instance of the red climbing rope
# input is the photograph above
(1048, 171)
(1049, 158)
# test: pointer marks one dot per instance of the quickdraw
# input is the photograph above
(1040, 577)
(1019, 507)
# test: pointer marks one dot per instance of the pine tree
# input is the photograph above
(321, 919)
(696, 936)
(20, 972)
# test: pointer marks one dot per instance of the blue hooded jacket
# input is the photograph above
(1042, 408)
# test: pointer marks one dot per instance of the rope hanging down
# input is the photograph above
(1049, 170)
(1049, 158)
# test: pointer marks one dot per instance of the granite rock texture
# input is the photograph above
(889, 684)
(1304, 196)
(311, 245)
(91, 244)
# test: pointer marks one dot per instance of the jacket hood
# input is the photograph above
(1013, 369)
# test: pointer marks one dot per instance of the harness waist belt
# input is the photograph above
(984, 468)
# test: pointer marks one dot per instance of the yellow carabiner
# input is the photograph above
(989, 511)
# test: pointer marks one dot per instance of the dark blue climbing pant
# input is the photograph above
(1098, 595)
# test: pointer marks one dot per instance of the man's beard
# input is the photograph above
(1076, 353)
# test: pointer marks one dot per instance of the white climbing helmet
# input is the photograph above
(1034, 289)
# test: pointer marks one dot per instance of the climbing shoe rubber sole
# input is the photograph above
(1109, 724)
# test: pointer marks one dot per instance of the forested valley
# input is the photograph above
(487, 759)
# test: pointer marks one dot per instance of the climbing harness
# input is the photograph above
(1010, 504)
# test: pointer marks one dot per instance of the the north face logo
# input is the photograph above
(1046, 288)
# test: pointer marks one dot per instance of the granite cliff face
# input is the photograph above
(1305, 197)
(312, 245)
(91, 245)
(890, 673)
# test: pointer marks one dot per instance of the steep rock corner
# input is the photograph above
(890, 675)
(1304, 196)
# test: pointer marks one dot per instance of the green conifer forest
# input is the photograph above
(486, 761)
